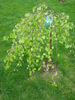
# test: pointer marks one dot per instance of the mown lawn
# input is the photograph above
(16, 86)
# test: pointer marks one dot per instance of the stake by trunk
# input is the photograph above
(50, 47)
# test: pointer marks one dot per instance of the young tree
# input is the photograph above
(35, 36)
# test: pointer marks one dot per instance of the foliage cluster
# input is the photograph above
(32, 37)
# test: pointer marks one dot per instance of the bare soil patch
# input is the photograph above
(53, 74)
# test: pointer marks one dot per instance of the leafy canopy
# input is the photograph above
(32, 37)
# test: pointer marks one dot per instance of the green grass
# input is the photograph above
(16, 86)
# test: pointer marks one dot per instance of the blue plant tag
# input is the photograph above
(48, 19)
